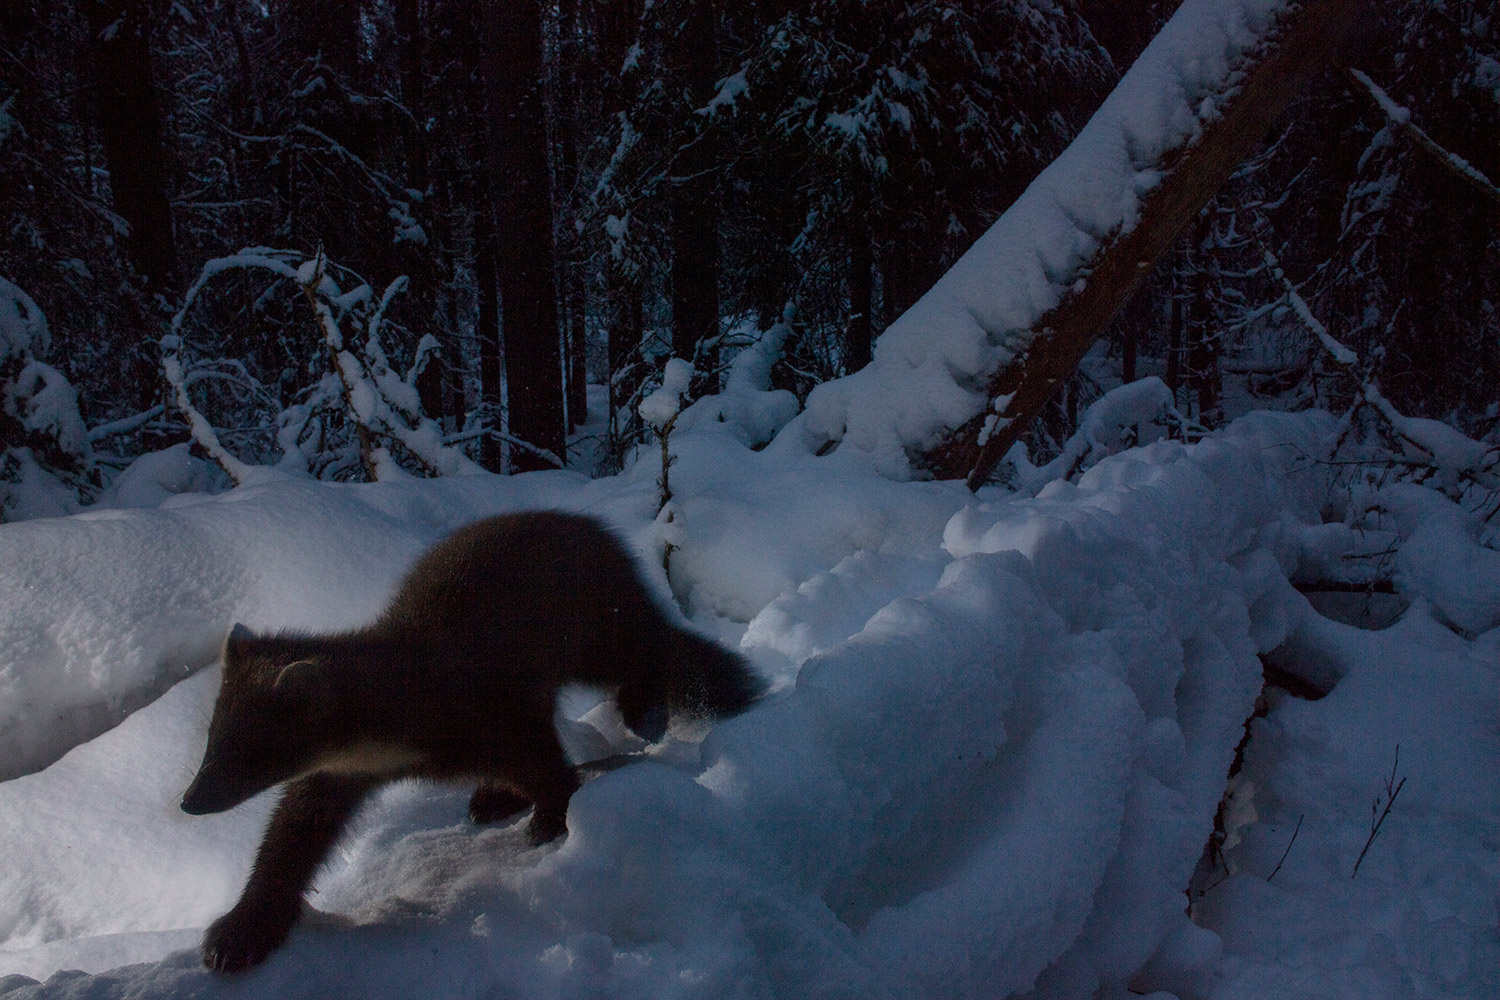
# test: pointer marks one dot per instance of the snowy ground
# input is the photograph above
(999, 731)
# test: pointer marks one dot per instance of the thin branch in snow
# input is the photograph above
(1287, 851)
(1392, 789)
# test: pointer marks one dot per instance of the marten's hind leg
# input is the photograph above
(542, 772)
(494, 801)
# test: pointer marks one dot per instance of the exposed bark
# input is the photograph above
(520, 182)
(129, 119)
(1291, 54)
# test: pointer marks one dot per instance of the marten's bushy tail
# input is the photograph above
(708, 679)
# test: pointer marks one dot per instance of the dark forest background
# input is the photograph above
(578, 190)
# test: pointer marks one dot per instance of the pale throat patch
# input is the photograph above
(369, 757)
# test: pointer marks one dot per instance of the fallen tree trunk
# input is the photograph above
(1299, 43)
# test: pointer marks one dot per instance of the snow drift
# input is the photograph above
(998, 737)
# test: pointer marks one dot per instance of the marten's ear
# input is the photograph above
(297, 680)
(237, 643)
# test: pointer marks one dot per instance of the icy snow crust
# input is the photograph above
(998, 731)
(930, 366)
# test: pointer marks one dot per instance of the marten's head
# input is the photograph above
(260, 733)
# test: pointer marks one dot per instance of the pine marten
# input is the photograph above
(457, 679)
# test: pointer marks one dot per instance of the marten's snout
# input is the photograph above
(209, 794)
(194, 801)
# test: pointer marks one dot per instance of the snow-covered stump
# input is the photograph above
(46, 462)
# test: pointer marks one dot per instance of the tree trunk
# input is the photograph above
(619, 25)
(522, 194)
(129, 119)
(487, 320)
(1202, 340)
(418, 261)
(1293, 50)
(861, 283)
(695, 203)
(413, 89)
(1173, 374)
(570, 270)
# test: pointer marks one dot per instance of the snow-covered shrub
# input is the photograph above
(345, 412)
(46, 467)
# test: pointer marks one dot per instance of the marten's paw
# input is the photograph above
(546, 827)
(245, 937)
(492, 803)
(644, 711)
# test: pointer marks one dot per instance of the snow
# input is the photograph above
(660, 408)
(730, 90)
(46, 403)
(998, 731)
(1419, 919)
(931, 364)
(23, 327)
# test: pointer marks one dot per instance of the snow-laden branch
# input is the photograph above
(202, 431)
(381, 404)
(1400, 117)
(1453, 454)
(1341, 354)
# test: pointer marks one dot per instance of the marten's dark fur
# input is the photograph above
(456, 680)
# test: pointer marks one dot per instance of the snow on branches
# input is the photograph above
(362, 389)
(46, 463)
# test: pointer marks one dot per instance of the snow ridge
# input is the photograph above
(989, 764)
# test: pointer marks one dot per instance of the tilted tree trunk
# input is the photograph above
(520, 182)
(1231, 124)
(129, 119)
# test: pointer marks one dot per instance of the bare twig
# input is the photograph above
(1287, 851)
(1392, 789)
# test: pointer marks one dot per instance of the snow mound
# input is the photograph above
(997, 739)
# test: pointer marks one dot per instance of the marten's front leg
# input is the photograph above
(303, 829)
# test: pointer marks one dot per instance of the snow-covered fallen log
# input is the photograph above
(998, 737)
